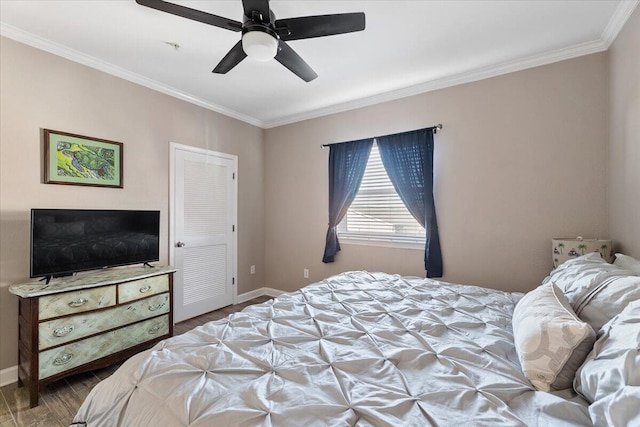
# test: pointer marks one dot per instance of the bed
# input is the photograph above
(356, 349)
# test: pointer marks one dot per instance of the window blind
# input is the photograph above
(377, 211)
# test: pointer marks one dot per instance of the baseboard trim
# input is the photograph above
(8, 376)
(249, 295)
(270, 292)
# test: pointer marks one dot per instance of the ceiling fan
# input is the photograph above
(263, 36)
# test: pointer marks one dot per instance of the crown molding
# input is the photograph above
(616, 23)
(620, 16)
(41, 43)
(445, 82)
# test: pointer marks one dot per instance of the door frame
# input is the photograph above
(173, 148)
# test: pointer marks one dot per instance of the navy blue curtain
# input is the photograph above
(408, 159)
(347, 162)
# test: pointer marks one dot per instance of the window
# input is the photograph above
(378, 214)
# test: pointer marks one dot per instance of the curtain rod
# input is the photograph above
(435, 128)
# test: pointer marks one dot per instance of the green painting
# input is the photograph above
(82, 160)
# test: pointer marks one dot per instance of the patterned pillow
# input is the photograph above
(610, 377)
(551, 341)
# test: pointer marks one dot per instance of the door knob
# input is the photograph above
(180, 244)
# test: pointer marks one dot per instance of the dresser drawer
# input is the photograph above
(142, 288)
(63, 358)
(66, 329)
(76, 302)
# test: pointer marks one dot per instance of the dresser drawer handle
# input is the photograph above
(145, 289)
(156, 307)
(61, 332)
(154, 329)
(78, 302)
(64, 359)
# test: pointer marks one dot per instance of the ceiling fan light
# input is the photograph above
(259, 45)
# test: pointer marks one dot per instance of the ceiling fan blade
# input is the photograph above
(231, 59)
(193, 14)
(260, 6)
(290, 59)
(307, 27)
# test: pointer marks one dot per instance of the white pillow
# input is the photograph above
(609, 299)
(610, 377)
(596, 290)
(577, 277)
(551, 341)
(628, 263)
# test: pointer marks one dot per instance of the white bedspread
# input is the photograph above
(357, 349)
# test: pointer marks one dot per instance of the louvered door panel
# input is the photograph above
(205, 195)
(204, 205)
(204, 273)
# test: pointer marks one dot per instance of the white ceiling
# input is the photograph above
(408, 47)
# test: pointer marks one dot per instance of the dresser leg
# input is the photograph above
(33, 394)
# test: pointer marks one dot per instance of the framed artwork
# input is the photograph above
(81, 160)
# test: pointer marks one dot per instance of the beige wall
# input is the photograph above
(624, 138)
(40, 90)
(521, 159)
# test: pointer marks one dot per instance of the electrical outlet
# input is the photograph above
(305, 273)
(253, 269)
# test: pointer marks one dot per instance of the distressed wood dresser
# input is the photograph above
(90, 321)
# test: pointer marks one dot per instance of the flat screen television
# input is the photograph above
(65, 241)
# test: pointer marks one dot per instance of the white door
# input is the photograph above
(203, 198)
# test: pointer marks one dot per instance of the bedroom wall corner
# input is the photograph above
(41, 90)
(521, 159)
(624, 138)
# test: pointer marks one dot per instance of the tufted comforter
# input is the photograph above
(356, 349)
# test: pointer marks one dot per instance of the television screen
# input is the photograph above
(64, 241)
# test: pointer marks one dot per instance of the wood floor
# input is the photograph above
(60, 401)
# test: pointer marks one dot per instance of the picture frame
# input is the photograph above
(72, 159)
